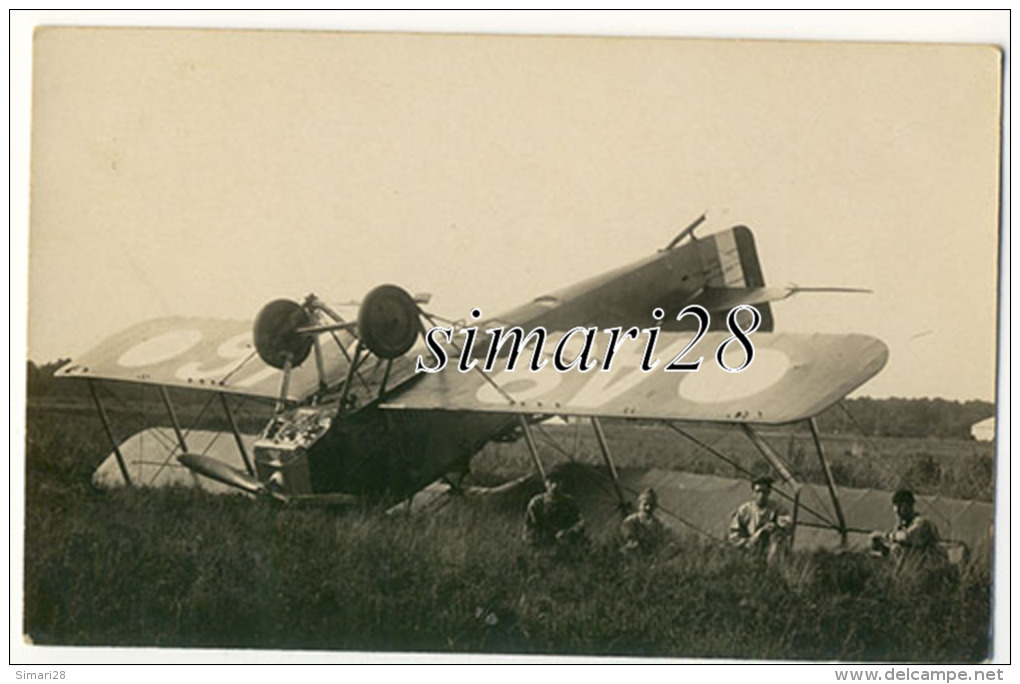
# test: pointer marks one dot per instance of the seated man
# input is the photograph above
(914, 539)
(642, 531)
(553, 519)
(760, 525)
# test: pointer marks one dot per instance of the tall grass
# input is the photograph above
(186, 569)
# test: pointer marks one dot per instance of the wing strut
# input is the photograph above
(351, 370)
(237, 434)
(532, 447)
(318, 306)
(288, 366)
(320, 368)
(829, 482)
(173, 418)
(607, 457)
(109, 433)
(739, 468)
(773, 458)
(182, 445)
(386, 378)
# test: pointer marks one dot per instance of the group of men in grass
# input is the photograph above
(553, 523)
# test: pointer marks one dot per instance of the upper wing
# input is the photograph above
(201, 353)
(792, 377)
(150, 457)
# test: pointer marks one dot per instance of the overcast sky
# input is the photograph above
(205, 173)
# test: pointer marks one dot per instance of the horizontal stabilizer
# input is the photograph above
(725, 298)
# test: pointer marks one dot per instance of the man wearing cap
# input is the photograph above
(642, 531)
(760, 525)
(553, 519)
(914, 537)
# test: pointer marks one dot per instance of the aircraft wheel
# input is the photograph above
(275, 333)
(388, 322)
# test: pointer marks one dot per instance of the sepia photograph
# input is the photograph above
(463, 343)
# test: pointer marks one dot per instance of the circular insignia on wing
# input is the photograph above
(388, 322)
(712, 384)
(159, 348)
(275, 333)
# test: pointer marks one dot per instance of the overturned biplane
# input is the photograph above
(354, 421)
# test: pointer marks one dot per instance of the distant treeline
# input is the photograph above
(41, 382)
(894, 417)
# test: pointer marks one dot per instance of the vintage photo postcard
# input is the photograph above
(512, 345)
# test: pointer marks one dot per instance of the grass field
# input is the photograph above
(185, 569)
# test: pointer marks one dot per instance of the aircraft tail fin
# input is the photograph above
(729, 263)
(730, 259)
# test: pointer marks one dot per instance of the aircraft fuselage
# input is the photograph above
(386, 454)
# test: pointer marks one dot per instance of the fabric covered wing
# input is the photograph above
(689, 501)
(150, 457)
(792, 377)
(201, 353)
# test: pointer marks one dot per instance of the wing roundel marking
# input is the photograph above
(522, 385)
(160, 348)
(711, 384)
(233, 351)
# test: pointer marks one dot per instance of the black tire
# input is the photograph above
(388, 321)
(276, 335)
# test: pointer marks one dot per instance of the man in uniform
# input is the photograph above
(760, 525)
(553, 520)
(642, 531)
(914, 540)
